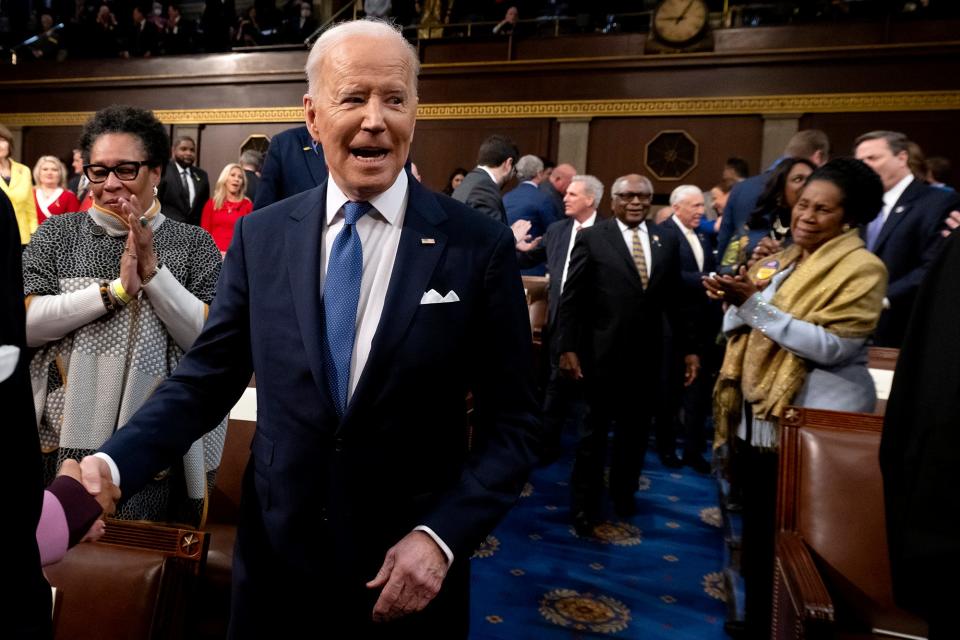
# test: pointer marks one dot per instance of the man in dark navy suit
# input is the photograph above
(623, 276)
(811, 144)
(563, 397)
(294, 164)
(696, 261)
(906, 234)
(527, 202)
(368, 308)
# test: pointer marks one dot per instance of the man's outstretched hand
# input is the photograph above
(96, 478)
(409, 578)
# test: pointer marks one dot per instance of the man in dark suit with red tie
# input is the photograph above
(623, 275)
(184, 188)
(368, 308)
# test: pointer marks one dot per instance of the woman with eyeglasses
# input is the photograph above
(115, 296)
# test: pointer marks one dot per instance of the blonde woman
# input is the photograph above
(227, 205)
(51, 196)
(15, 181)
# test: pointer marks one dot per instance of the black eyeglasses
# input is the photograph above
(627, 196)
(97, 173)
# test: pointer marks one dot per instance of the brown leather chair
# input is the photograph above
(831, 569)
(134, 583)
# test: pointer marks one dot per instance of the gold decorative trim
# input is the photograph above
(651, 107)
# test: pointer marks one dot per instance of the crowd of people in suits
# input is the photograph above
(653, 320)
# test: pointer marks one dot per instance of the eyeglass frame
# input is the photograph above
(630, 195)
(140, 164)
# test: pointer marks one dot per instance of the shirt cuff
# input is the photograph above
(886, 302)
(114, 471)
(440, 543)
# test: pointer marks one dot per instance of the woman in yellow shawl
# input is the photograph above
(797, 326)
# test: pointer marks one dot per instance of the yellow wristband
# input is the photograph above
(119, 292)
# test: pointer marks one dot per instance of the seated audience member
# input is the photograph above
(47, 45)
(178, 32)
(115, 295)
(143, 37)
(16, 184)
(798, 324)
(50, 195)
(508, 25)
(301, 26)
(771, 216)
(103, 42)
(248, 30)
(228, 203)
(454, 180)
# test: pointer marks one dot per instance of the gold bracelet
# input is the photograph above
(150, 277)
(121, 294)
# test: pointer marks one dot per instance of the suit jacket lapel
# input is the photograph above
(899, 211)
(611, 233)
(412, 270)
(303, 237)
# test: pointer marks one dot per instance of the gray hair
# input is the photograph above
(369, 27)
(528, 167)
(684, 191)
(593, 186)
(644, 180)
(252, 157)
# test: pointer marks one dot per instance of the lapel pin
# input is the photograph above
(426, 241)
(308, 149)
(898, 209)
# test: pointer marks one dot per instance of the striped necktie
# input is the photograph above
(639, 258)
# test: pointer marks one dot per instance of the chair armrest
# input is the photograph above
(802, 607)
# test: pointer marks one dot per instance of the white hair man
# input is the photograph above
(361, 504)
(527, 202)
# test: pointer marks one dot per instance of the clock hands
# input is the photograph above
(684, 12)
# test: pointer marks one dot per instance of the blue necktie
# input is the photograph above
(341, 294)
(873, 231)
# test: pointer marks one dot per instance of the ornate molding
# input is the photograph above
(711, 106)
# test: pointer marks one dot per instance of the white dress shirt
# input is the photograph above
(573, 239)
(191, 188)
(627, 233)
(692, 240)
(890, 197)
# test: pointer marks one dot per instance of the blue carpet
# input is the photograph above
(656, 575)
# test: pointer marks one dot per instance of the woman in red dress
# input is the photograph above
(51, 195)
(226, 206)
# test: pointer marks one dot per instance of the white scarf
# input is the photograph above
(44, 202)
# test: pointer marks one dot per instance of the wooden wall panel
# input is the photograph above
(439, 146)
(935, 131)
(617, 144)
(219, 144)
(42, 141)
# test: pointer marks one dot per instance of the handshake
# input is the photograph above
(86, 492)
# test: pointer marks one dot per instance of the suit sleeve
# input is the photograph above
(506, 429)
(203, 388)
(726, 225)
(486, 200)
(270, 179)
(902, 289)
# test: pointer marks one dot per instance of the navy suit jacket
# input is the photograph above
(325, 497)
(527, 202)
(291, 167)
(552, 251)
(908, 242)
(483, 194)
(741, 203)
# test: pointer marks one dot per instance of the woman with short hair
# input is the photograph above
(115, 296)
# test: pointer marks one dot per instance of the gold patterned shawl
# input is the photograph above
(839, 287)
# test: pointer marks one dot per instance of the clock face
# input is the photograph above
(680, 21)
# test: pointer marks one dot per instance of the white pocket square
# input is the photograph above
(432, 297)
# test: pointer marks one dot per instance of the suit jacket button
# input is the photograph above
(338, 445)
